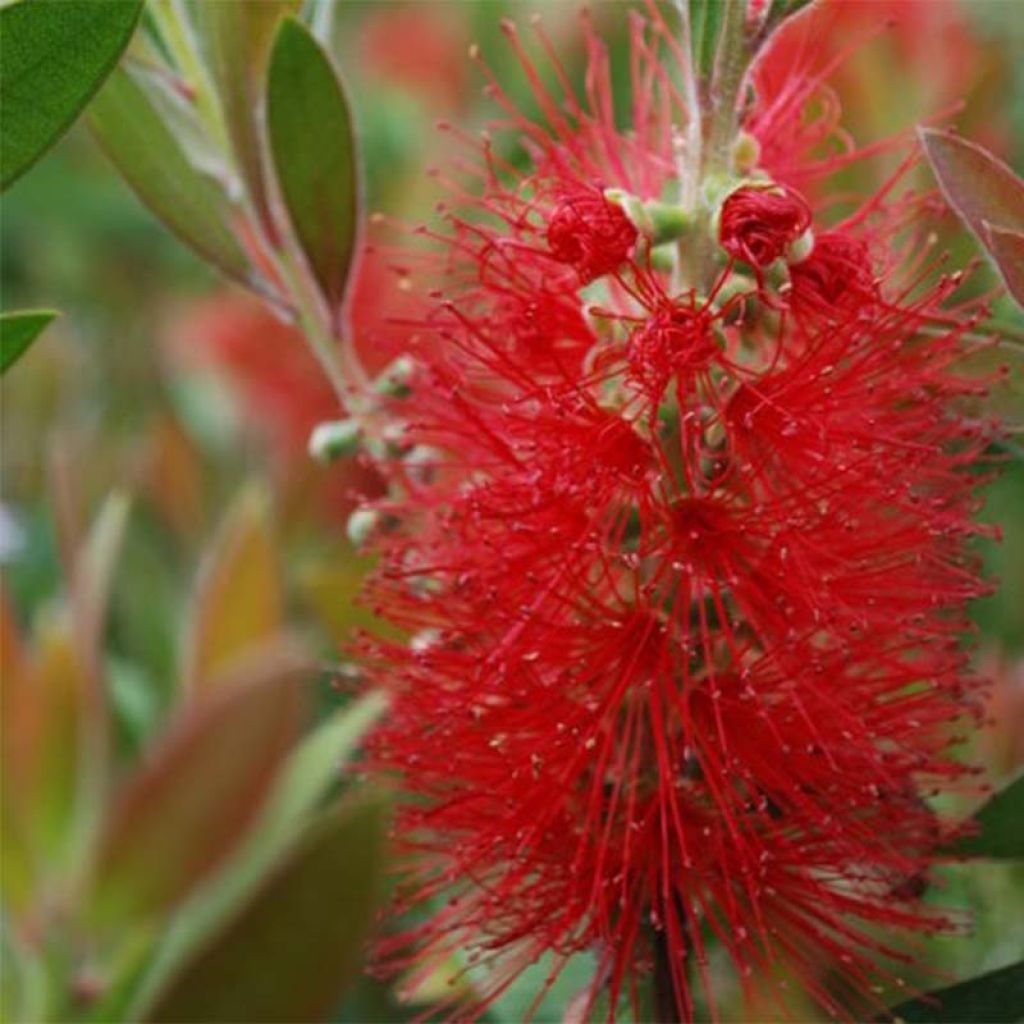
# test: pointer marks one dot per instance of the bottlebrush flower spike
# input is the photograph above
(685, 574)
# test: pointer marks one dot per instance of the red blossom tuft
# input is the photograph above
(759, 224)
(686, 578)
(838, 275)
(590, 234)
(677, 340)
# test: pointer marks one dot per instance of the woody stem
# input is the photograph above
(669, 1006)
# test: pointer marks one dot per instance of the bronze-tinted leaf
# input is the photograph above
(301, 788)
(93, 577)
(46, 743)
(239, 601)
(204, 785)
(317, 763)
(978, 185)
(292, 948)
(1007, 249)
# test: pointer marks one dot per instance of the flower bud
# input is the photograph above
(395, 377)
(758, 224)
(746, 151)
(657, 221)
(361, 525)
(334, 440)
(591, 234)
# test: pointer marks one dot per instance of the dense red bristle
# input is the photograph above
(686, 577)
(758, 225)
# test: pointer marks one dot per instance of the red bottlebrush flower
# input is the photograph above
(590, 234)
(836, 276)
(676, 341)
(280, 389)
(759, 224)
(686, 577)
(418, 47)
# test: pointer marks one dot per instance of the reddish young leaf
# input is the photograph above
(1007, 249)
(45, 740)
(190, 805)
(979, 186)
(238, 603)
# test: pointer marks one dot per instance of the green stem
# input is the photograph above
(732, 57)
(336, 356)
(343, 371)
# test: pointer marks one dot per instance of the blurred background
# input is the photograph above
(160, 512)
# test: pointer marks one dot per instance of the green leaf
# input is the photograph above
(237, 39)
(977, 185)
(191, 805)
(125, 120)
(314, 155)
(1000, 825)
(1007, 248)
(18, 331)
(315, 765)
(290, 952)
(993, 998)
(93, 576)
(55, 56)
(47, 753)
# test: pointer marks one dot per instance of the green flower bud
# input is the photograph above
(334, 440)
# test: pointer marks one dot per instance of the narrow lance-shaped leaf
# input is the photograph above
(316, 764)
(302, 785)
(978, 186)
(55, 56)
(128, 127)
(44, 732)
(290, 952)
(18, 331)
(993, 998)
(93, 577)
(314, 155)
(237, 39)
(191, 805)
(1008, 252)
(239, 599)
(1000, 826)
